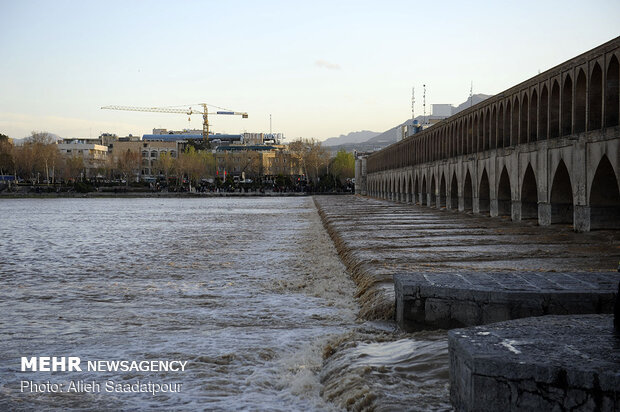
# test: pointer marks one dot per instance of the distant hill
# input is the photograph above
(475, 99)
(381, 140)
(353, 137)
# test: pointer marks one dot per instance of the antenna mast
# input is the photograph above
(412, 103)
(424, 103)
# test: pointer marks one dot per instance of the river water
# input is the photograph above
(250, 292)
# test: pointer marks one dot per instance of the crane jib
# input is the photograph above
(221, 112)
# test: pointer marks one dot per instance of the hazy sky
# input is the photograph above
(321, 68)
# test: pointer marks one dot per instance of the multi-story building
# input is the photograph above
(149, 153)
(93, 153)
(256, 160)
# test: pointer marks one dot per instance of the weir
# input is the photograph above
(437, 268)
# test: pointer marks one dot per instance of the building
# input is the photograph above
(93, 153)
(149, 153)
(256, 160)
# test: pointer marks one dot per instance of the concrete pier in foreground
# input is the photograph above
(448, 300)
(549, 363)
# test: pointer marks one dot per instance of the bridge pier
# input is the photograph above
(544, 214)
(493, 208)
(581, 219)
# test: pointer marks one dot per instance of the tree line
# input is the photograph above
(38, 160)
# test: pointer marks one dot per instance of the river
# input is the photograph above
(249, 292)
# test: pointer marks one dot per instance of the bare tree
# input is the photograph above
(311, 154)
(128, 164)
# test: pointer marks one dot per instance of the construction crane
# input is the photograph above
(190, 111)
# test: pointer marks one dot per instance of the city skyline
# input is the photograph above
(319, 70)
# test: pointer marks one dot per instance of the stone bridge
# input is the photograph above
(545, 149)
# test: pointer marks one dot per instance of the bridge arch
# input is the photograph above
(423, 193)
(561, 195)
(514, 131)
(554, 111)
(580, 104)
(604, 197)
(484, 194)
(468, 193)
(442, 191)
(524, 116)
(595, 98)
(433, 197)
(567, 105)
(493, 128)
(504, 198)
(454, 192)
(416, 190)
(612, 99)
(542, 114)
(533, 117)
(529, 194)
(501, 139)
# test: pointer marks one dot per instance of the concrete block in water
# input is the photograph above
(543, 363)
(448, 300)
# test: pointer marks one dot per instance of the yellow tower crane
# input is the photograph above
(190, 111)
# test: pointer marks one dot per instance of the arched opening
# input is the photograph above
(454, 193)
(467, 136)
(554, 111)
(533, 117)
(561, 196)
(567, 105)
(524, 116)
(484, 194)
(612, 94)
(604, 197)
(412, 190)
(595, 98)
(500, 126)
(442, 191)
(486, 136)
(507, 117)
(514, 134)
(542, 116)
(474, 138)
(492, 135)
(433, 196)
(416, 191)
(468, 195)
(423, 193)
(504, 200)
(580, 103)
(529, 195)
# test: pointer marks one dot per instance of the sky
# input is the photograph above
(318, 68)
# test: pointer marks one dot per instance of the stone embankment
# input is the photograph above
(462, 270)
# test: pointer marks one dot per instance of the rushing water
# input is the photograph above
(248, 291)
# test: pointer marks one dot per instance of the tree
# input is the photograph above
(251, 164)
(45, 152)
(128, 164)
(7, 162)
(312, 156)
(343, 165)
(166, 164)
(72, 168)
